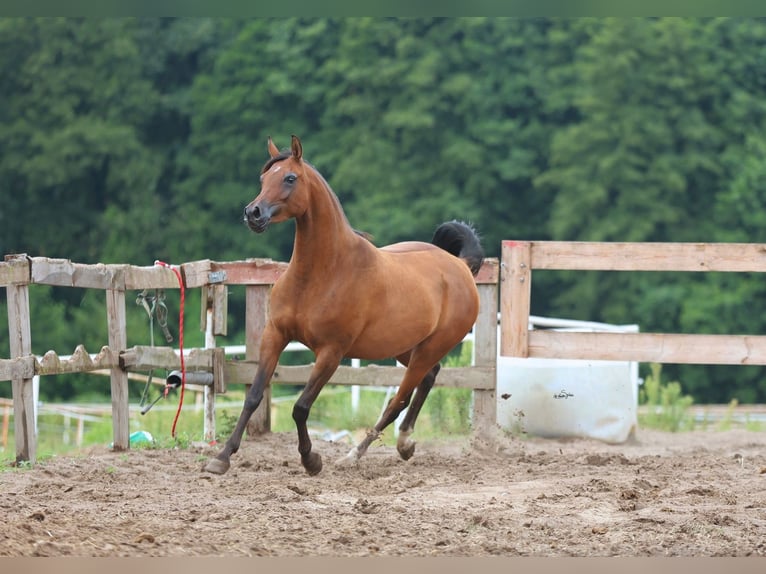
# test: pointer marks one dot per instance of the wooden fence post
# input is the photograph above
(118, 342)
(257, 312)
(208, 425)
(515, 293)
(485, 355)
(214, 311)
(20, 334)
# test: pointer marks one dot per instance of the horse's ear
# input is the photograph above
(297, 148)
(273, 150)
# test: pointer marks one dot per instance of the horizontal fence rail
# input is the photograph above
(18, 272)
(519, 258)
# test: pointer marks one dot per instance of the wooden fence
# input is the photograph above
(519, 258)
(513, 278)
(18, 272)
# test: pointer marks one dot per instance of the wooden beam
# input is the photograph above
(15, 270)
(250, 271)
(516, 291)
(219, 370)
(257, 313)
(489, 274)
(149, 277)
(145, 358)
(267, 271)
(485, 356)
(20, 343)
(241, 372)
(64, 273)
(19, 368)
(650, 347)
(196, 273)
(220, 297)
(79, 362)
(115, 308)
(594, 256)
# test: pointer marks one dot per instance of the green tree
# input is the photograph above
(130, 140)
(86, 128)
(668, 107)
(70, 147)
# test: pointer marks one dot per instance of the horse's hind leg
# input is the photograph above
(413, 376)
(405, 445)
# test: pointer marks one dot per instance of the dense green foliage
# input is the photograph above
(130, 140)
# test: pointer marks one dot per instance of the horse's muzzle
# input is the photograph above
(258, 217)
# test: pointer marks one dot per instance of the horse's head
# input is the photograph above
(284, 188)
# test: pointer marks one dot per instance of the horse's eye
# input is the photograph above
(290, 178)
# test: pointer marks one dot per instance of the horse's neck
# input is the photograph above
(322, 235)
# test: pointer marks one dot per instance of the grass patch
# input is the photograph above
(668, 408)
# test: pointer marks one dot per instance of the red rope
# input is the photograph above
(180, 344)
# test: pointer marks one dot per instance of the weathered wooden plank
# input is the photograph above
(149, 277)
(242, 372)
(64, 273)
(18, 368)
(650, 347)
(51, 364)
(219, 372)
(593, 256)
(79, 362)
(257, 305)
(20, 343)
(250, 271)
(220, 309)
(485, 330)
(476, 378)
(196, 273)
(52, 271)
(115, 310)
(208, 425)
(515, 297)
(489, 272)
(15, 270)
(267, 271)
(145, 358)
(485, 355)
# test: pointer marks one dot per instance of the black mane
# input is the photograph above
(282, 155)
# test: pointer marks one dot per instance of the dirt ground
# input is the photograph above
(689, 494)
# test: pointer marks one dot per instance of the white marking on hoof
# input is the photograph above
(350, 459)
(403, 440)
(405, 445)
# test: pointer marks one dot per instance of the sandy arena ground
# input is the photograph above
(689, 494)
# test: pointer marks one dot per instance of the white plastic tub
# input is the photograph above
(557, 398)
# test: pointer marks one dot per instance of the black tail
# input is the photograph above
(462, 241)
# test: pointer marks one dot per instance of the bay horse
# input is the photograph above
(343, 297)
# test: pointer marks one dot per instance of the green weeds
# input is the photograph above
(667, 408)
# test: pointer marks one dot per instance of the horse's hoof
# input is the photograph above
(217, 466)
(312, 462)
(350, 459)
(407, 450)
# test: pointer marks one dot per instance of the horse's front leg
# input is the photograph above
(326, 364)
(271, 347)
